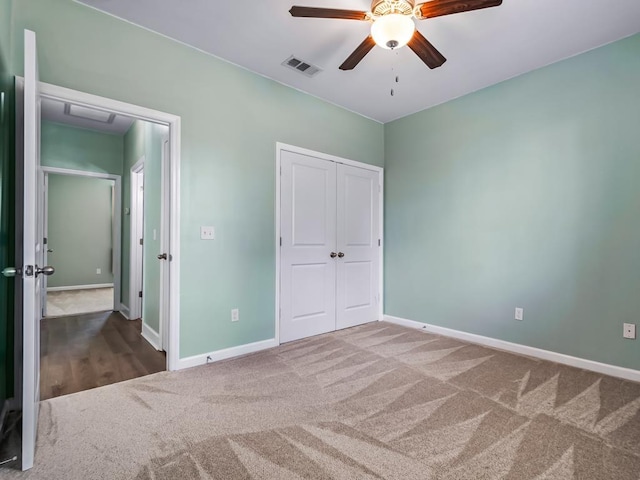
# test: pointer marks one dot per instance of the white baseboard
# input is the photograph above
(151, 336)
(80, 287)
(612, 370)
(124, 311)
(218, 355)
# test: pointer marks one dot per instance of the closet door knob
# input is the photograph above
(333, 254)
(340, 254)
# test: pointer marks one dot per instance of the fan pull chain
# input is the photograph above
(396, 77)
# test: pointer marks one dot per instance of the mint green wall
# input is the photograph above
(74, 148)
(525, 194)
(80, 230)
(6, 19)
(145, 139)
(231, 121)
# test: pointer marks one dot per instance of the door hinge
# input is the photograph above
(45, 240)
(280, 241)
(378, 242)
(141, 241)
(140, 294)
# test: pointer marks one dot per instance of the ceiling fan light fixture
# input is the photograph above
(393, 30)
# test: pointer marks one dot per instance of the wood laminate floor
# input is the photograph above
(81, 352)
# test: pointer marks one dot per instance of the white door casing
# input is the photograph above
(33, 254)
(45, 243)
(358, 234)
(357, 288)
(172, 213)
(308, 272)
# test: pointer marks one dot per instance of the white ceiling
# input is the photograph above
(483, 47)
(54, 111)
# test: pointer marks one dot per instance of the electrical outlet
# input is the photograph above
(235, 315)
(98, 271)
(629, 331)
(519, 313)
(207, 233)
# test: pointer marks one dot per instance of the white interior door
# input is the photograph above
(33, 255)
(308, 230)
(164, 244)
(358, 216)
(137, 239)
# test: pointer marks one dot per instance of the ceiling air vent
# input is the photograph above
(88, 113)
(301, 66)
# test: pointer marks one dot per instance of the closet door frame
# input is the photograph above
(280, 147)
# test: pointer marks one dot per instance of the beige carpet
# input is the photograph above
(373, 402)
(74, 302)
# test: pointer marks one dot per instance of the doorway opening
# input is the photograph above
(82, 225)
(103, 306)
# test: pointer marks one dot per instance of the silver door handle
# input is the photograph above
(10, 272)
(49, 250)
(340, 254)
(48, 270)
(162, 256)
(333, 254)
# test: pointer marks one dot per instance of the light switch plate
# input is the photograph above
(519, 313)
(207, 233)
(629, 331)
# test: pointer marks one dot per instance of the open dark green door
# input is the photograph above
(8, 403)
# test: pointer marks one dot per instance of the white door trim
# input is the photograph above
(45, 245)
(116, 225)
(280, 147)
(135, 270)
(165, 241)
(172, 213)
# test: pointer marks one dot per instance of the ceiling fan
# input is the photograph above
(393, 26)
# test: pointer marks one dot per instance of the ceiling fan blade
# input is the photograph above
(427, 52)
(327, 13)
(438, 8)
(358, 54)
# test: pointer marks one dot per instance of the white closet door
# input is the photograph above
(358, 234)
(308, 229)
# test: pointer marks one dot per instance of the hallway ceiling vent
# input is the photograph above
(88, 113)
(301, 66)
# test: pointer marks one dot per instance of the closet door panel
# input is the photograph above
(308, 229)
(357, 239)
